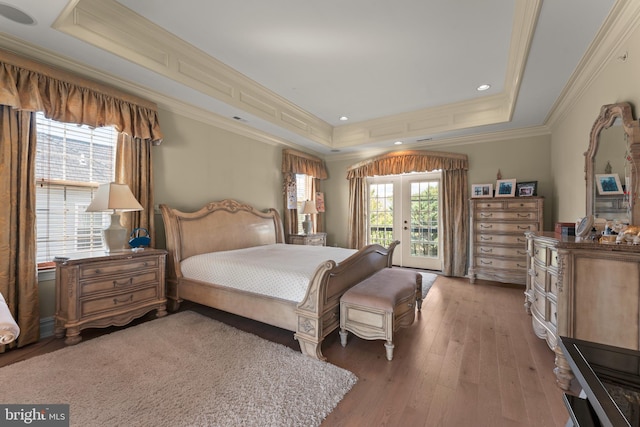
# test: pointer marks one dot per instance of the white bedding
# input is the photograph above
(279, 270)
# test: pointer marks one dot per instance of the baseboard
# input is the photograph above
(46, 327)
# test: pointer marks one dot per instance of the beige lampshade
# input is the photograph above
(114, 197)
(309, 207)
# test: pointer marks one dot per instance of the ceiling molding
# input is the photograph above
(623, 19)
(110, 26)
(444, 143)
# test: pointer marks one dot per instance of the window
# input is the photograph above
(303, 187)
(71, 162)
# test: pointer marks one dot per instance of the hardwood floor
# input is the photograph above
(469, 359)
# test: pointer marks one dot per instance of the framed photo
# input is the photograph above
(481, 190)
(526, 189)
(506, 188)
(608, 184)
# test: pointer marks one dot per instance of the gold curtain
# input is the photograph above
(455, 216)
(18, 271)
(133, 167)
(297, 162)
(62, 96)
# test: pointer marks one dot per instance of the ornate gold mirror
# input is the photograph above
(611, 165)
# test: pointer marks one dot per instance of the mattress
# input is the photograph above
(279, 270)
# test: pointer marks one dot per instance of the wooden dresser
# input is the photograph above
(498, 244)
(99, 290)
(596, 296)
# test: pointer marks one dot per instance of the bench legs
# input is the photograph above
(389, 346)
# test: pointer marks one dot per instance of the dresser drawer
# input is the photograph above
(315, 241)
(533, 215)
(490, 205)
(502, 239)
(540, 254)
(506, 227)
(118, 301)
(91, 270)
(553, 257)
(553, 285)
(118, 282)
(483, 261)
(539, 304)
(540, 277)
(553, 313)
(530, 204)
(500, 251)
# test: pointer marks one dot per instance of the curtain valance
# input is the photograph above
(303, 163)
(408, 161)
(31, 86)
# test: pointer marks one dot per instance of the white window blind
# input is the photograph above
(71, 162)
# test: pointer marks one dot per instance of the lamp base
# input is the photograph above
(115, 236)
(307, 225)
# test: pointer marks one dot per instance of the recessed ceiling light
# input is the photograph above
(344, 118)
(483, 87)
(16, 15)
(397, 143)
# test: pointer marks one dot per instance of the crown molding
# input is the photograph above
(623, 19)
(444, 143)
(111, 26)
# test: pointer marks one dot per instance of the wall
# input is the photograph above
(525, 159)
(616, 82)
(198, 163)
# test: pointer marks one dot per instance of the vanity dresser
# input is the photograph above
(578, 287)
(498, 250)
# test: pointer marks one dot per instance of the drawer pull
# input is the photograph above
(522, 252)
(486, 250)
(486, 238)
(486, 215)
(486, 262)
(410, 305)
(97, 271)
(116, 301)
(528, 227)
(536, 274)
(521, 240)
(486, 226)
(125, 283)
(524, 215)
(521, 266)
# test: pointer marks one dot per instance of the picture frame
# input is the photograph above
(527, 188)
(481, 190)
(506, 188)
(608, 183)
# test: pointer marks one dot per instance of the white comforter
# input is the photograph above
(279, 270)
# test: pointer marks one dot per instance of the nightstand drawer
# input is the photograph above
(318, 239)
(114, 267)
(117, 301)
(119, 282)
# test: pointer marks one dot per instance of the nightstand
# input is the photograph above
(317, 239)
(98, 290)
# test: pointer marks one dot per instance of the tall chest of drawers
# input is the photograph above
(498, 249)
(99, 290)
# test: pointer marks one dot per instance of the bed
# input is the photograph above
(229, 225)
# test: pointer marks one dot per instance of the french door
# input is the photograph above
(407, 208)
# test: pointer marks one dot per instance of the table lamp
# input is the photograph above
(308, 209)
(114, 197)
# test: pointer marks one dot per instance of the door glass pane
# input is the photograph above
(381, 213)
(424, 218)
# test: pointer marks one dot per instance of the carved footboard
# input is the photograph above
(318, 313)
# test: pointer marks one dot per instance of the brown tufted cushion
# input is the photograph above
(384, 290)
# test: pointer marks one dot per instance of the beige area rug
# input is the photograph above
(181, 370)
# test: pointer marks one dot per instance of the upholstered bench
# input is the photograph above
(376, 307)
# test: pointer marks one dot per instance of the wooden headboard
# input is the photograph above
(218, 226)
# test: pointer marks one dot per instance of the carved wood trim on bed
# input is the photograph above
(228, 225)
